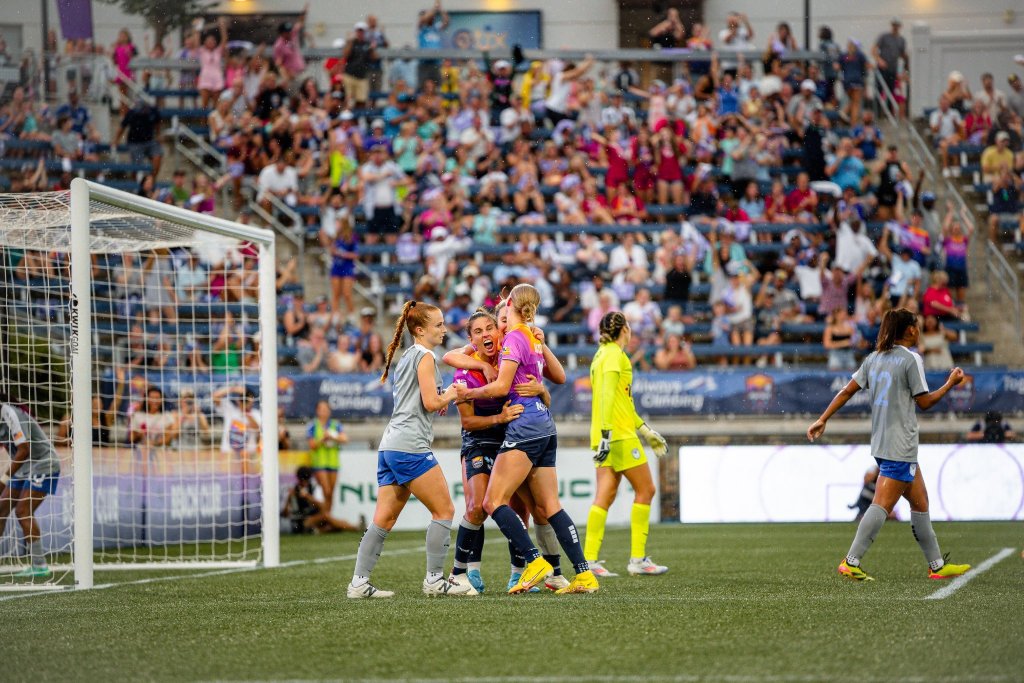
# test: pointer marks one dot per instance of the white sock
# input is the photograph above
(358, 581)
(474, 565)
(434, 577)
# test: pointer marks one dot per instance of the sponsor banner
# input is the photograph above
(356, 493)
(819, 483)
(493, 31)
(700, 392)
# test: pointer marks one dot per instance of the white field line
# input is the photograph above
(959, 582)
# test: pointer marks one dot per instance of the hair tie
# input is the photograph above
(412, 305)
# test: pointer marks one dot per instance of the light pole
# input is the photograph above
(807, 24)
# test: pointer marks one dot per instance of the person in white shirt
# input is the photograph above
(628, 256)
(279, 179)
(556, 105)
(380, 176)
(993, 98)
(853, 245)
(643, 314)
(947, 126)
(241, 433)
(151, 425)
(737, 36)
(442, 248)
(617, 114)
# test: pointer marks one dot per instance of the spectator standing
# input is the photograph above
(241, 427)
(993, 98)
(122, 53)
(193, 427)
(344, 252)
(360, 53)
(853, 65)
(556, 106)
(211, 64)
(905, 281)
(669, 32)
(152, 425)
(142, 123)
(375, 34)
(830, 55)
(380, 177)
(279, 179)
(1015, 100)
(674, 355)
(889, 49)
(737, 36)
(429, 26)
(955, 241)
(840, 340)
(288, 49)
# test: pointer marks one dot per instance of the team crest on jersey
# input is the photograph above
(636, 453)
(505, 351)
(478, 462)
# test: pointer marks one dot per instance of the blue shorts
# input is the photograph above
(895, 469)
(41, 483)
(343, 269)
(478, 458)
(540, 451)
(396, 467)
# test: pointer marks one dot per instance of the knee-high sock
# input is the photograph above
(569, 539)
(478, 550)
(515, 558)
(369, 551)
(640, 526)
(595, 533)
(439, 538)
(465, 545)
(921, 523)
(38, 556)
(515, 531)
(868, 528)
(547, 541)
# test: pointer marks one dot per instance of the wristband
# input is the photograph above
(4, 478)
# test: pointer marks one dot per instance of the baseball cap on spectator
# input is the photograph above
(368, 312)
(503, 64)
(895, 21)
(808, 84)
(472, 270)
(447, 177)
(1002, 135)
(439, 231)
(377, 123)
(462, 289)
(927, 196)
(361, 26)
(346, 115)
(406, 97)
(733, 269)
(956, 76)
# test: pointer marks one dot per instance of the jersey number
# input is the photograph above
(882, 381)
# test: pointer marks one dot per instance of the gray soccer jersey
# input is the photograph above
(893, 379)
(411, 428)
(18, 427)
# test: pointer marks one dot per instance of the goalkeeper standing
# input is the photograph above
(614, 429)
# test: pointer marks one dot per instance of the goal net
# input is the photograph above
(138, 359)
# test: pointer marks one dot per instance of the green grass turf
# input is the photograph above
(741, 603)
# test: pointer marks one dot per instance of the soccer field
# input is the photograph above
(741, 603)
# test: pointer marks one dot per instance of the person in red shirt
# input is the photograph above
(938, 299)
(802, 200)
(775, 208)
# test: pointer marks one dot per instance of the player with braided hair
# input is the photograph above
(618, 453)
(405, 464)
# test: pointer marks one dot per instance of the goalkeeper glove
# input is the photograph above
(655, 440)
(605, 447)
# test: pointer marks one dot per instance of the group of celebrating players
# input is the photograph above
(509, 445)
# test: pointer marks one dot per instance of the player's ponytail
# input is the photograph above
(895, 324)
(414, 314)
(524, 300)
(396, 341)
(611, 326)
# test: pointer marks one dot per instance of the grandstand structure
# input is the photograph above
(386, 276)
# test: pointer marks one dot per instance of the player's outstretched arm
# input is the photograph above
(844, 395)
(927, 401)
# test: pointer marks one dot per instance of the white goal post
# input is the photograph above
(100, 225)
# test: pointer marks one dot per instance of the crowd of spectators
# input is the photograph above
(745, 203)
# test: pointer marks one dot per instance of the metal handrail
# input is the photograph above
(178, 130)
(996, 265)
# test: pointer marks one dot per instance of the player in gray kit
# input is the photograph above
(894, 378)
(31, 476)
(405, 464)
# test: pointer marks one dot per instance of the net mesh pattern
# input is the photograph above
(175, 353)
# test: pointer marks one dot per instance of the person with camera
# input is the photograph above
(306, 511)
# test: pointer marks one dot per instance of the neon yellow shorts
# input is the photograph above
(626, 454)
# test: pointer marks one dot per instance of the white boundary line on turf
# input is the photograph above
(203, 575)
(961, 581)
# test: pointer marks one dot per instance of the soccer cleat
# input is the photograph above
(367, 590)
(532, 575)
(645, 567)
(581, 583)
(855, 573)
(513, 579)
(597, 567)
(457, 585)
(476, 580)
(556, 582)
(34, 573)
(948, 571)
